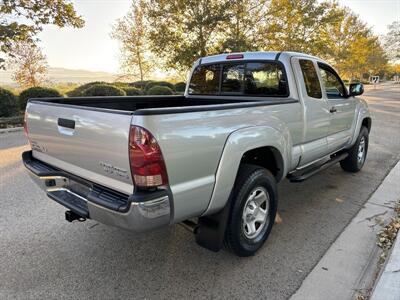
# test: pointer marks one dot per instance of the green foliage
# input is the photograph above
(159, 90)
(141, 84)
(8, 103)
(242, 29)
(296, 25)
(103, 90)
(120, 84)
(78, 91)
(64, 88)
(180, 87)
(132, 91)
(350, 46)
(22, 20)
(36, 92)
(184, 30)
(393, 70)
(9, 122)
(159, 83)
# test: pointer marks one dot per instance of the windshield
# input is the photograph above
(263, 79)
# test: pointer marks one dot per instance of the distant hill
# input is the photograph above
(62, 75)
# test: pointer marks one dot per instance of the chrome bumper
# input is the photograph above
(141, 212)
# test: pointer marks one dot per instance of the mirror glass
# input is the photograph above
(356, 89)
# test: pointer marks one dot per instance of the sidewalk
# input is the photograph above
(349, 266)
(388, 285)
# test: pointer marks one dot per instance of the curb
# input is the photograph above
(349, 266)
(14, 129)
(387, 286)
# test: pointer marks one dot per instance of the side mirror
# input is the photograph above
(356, 89)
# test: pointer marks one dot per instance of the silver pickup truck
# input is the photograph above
(209, 159)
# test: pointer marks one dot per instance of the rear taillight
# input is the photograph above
(147, 163)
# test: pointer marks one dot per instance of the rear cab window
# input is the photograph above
(262, 79)
(205, 80)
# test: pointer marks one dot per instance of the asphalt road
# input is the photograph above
(43, 256)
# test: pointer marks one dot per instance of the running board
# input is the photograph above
(302, 175)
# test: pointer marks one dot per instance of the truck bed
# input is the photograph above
(133, 103)
(141, 105)
(70, 133)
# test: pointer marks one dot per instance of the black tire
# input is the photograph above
(250, 180)
(352, 163)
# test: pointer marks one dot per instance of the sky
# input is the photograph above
(91, 48)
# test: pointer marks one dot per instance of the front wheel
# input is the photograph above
(357, 153)
(253, 210)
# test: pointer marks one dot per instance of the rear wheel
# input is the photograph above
(357, 154)
(253, 210)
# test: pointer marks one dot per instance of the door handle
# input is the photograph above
(333, 110)
(66, 123)
(66, 126)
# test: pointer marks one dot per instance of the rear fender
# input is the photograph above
(238, 143)
(363, 113)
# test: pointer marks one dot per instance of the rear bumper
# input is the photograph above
(137, 212)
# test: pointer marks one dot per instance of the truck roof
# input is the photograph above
(258, 55)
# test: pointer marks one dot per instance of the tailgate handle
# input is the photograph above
(66, 123)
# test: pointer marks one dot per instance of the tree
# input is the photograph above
(242, 29)
(376, 58)
(350, 45)
(391, 42)
(22, 20)
(295, 25)
(29, 65)
(393, 70)
(365, 57)
(327, 30)
(342, 37)
(183, 30)
(132, 33)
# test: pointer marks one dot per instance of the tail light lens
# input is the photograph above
(147, 163)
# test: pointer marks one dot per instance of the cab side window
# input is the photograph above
(334, 87)
(310, 77)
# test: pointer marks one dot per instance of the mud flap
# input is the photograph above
(211, 229)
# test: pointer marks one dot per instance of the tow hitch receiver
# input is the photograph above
(71, 216)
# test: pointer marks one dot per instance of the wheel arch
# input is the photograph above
(248, 145)
(367, 122)
(363, 119)
(267, 157)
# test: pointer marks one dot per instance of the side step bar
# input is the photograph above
(302, 175)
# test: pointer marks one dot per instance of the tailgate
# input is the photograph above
(89, 143)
